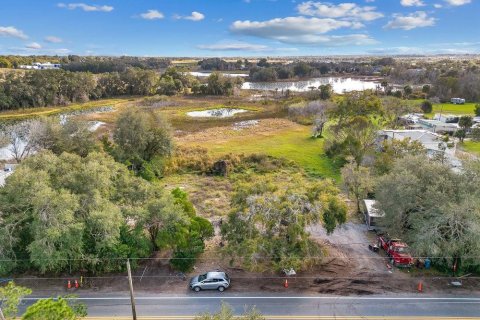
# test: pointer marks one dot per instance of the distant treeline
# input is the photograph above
(59, 87)
(120, 64)
(264, 70)
(94, 64)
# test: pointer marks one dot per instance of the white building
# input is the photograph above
(372, 214)
(41, 66)
(437, 126)
(431, 141)
(457, 101)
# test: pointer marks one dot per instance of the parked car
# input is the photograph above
(213, 280)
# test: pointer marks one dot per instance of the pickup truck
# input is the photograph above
(397, 250)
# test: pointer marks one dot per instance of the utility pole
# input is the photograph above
(130, 284)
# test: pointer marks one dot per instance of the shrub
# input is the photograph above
(426, 106)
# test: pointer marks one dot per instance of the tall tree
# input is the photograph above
(55, 309)
(357, 181)
(10, 297)
(140, 137)
(434, 209)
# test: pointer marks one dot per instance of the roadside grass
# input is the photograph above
(47, 111)
(293, 144)
(472, 147)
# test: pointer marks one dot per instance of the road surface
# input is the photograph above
(284, 307)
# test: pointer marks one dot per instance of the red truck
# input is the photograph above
(397, 250)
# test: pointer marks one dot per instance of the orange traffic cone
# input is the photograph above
(286, 283)
(76, 283)
(69, 284)
(420, 286)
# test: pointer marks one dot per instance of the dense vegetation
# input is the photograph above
(434, 209)
(267, 226)
(71, 213)
(59, 87)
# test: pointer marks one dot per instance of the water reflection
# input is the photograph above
(215, 113)
(339, 85)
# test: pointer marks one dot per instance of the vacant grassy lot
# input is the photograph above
(275, 137)
(472, 147)
(467, 108)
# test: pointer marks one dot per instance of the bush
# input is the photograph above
(475, 134)
(426, 106)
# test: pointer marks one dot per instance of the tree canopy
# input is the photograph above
(434, 209)
(267, 226)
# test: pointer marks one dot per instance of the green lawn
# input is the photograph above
(467, 108)
(293, 145)
(472, 147)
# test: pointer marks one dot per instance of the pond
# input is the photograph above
(215, 113)
(339, 85)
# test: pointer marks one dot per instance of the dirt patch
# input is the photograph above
(219, 134)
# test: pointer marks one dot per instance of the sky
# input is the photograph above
(187, 28)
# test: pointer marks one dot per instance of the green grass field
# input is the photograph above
(295, 145)
(472, 147)
(467, 108)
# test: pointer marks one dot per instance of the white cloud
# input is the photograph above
(152, 15)
(12, 32)
(290, 27)
(53, 39)
(330, 40)
(233, 46)
(437, 5)
(33, 51)
(194, 16)
(85, 7)
(418, 19)
(458, 2)
(34, 45)
(342, 10)
(412, 3)
(302, 30)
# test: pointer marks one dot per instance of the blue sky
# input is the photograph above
(239, 27)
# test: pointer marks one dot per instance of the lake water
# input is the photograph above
(339, 85)
(215, 113)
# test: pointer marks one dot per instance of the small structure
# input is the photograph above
(437, 126)
(372, 214)
(431, 141)
(41, 66)
(446, 118)
(7, 171)
(457, 101)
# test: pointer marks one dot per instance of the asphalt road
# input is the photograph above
(285, 307)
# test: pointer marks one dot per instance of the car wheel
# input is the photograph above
(196, 289)
(221, 289)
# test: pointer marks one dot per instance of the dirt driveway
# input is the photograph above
(349, 243)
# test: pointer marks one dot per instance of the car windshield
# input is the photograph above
(202, 277)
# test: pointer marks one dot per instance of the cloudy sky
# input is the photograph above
(239, 27)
